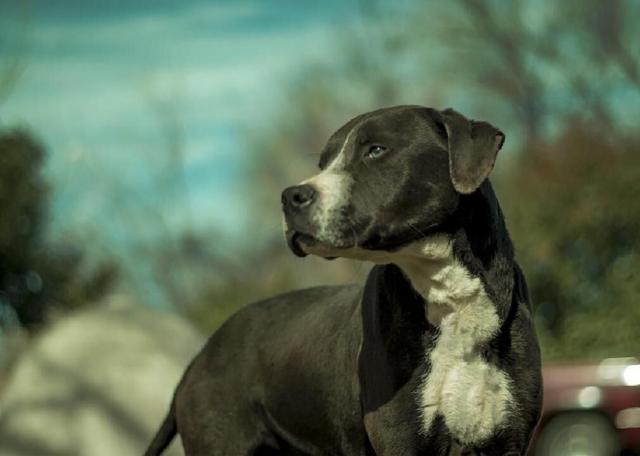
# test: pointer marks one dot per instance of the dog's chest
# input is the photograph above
(471, 394)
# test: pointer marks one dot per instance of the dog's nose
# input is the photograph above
(298, 197)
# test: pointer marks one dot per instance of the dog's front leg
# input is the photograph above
(394, 427)
(508, 445)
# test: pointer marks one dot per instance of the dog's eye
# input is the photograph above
(375, 152)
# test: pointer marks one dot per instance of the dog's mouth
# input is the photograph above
(296, 240)
(303, 244)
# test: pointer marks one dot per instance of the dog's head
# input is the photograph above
(387, 178)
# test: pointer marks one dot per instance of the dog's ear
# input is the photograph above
(473, 147)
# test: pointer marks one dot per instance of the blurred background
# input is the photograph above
(144, 145)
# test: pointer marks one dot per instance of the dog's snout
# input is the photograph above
(298, 197)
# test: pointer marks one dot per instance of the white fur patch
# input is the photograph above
(333, 185)
(472, 395)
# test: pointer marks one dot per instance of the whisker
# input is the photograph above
(353, 230)
(414, 228)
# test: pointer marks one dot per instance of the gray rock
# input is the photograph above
(96, 383)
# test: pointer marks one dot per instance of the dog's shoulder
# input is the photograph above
(393, 324)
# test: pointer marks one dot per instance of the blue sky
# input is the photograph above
(96, 69)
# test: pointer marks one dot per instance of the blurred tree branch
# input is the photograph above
(14, 44)
(581, 43)
(158, 223)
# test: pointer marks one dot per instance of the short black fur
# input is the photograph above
(338, 370)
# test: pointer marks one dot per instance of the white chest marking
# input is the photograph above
(472, 395)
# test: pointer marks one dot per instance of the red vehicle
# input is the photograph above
(590, 409)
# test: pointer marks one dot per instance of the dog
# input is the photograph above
(436, 354)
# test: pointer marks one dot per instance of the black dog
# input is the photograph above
(436, 354)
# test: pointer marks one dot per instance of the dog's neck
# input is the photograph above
(437, 276)
(470, 263)
(466, 278)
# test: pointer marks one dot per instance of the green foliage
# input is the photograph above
(264, 275)
(572, 207)
(36, 277)
(221, 300)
